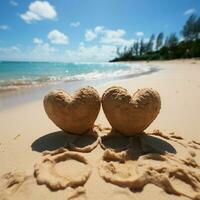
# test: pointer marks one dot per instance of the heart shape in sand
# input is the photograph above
(75, 114)
(130, 114)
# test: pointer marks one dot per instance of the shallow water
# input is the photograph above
(27, 81)
(20, 74)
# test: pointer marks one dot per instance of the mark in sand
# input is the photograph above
(147, 159)
(20, 186)
(61, 168)
(17, 136)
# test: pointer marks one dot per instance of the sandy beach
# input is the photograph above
(26, 131)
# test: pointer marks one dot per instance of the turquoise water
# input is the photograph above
(22, 74)
(16, 77)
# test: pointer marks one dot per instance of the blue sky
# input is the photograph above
(84, 30)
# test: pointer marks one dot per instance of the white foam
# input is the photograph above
(124, 71)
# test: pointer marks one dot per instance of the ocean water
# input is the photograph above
(15, 75)
(22, 82)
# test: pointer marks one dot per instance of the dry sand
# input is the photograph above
(154, 165)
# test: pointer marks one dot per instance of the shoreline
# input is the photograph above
(21, 95)
(39, 75)
(179, 87)
(171, 82)
(26, 125)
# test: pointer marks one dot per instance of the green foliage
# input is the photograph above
(159, 40)
(171, 49)
(191, 29)
(142, 47)
(136, 48)
(150, 43)
(171, 41)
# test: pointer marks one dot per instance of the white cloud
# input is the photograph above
(139, 34)
(105, 48)
(4, 27)
(40, 52)
(108, 36)
(9, 49)
(14, 3)
(93, 53)
(45, 52)
(190, 11)
(117, 41)
(75, 24)
(90, 35)
(15, 48)
(115, 33)
(37, 41)
(56, 37)
(10, 53)
(108, 40)
(39, 10)
(99, 29)
(115, 37)
(44, 48)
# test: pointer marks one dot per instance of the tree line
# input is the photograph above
(165, 48)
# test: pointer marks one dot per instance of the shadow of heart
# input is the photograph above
(59, 139)
(141, 144)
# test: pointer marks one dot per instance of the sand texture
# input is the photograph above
(152, 160)
(54, 171)
(73, 114)
(128, 114)
(165, 160)
(40, 161)
(20, 186)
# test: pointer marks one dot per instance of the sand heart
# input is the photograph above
(75, 114)
(128, 114)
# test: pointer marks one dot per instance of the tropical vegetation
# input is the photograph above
(165, 48)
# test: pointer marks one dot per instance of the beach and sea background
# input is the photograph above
(14, 75)
(28, 81)
(26, 130)
(147, 52)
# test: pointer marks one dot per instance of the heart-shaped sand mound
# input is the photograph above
(128, 114)
(75, 114)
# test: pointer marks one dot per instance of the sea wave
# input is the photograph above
(109, 74)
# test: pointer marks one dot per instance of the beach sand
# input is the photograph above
(162, 164)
